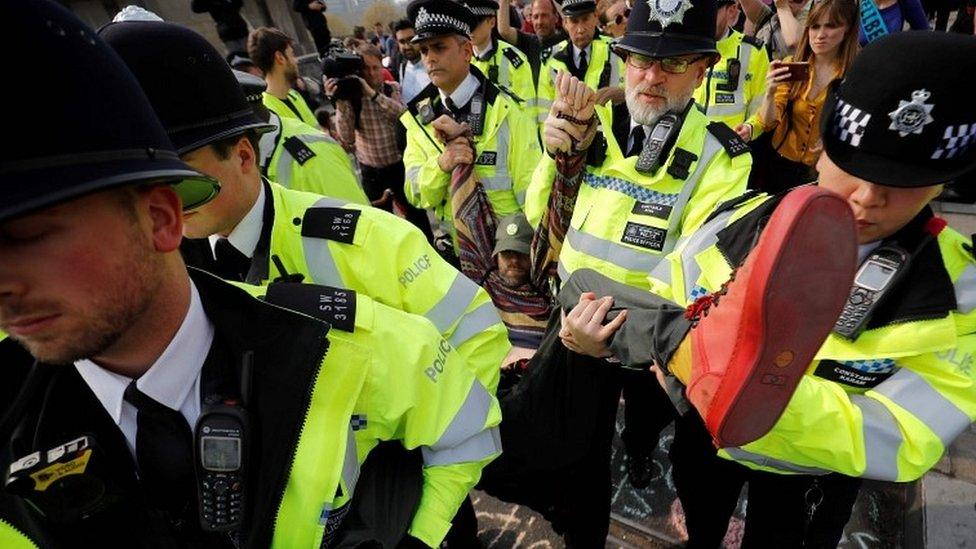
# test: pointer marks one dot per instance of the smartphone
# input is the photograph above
(799, 71)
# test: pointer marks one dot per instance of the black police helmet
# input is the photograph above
(665, 28)
(190, 85)
(904, 115)
(93, 127)
(434, 18)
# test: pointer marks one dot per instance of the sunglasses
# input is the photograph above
(672, 65)
(621, 17)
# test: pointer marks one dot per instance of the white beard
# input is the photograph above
(647, 114)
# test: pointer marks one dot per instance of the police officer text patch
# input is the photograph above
(660, 211)
(298, 150)
(724, 98)
(644, 236)
(336, 306)
(338, 224)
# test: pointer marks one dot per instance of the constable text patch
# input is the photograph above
(660, 211)
(862, 378)
(644, 236)
(337, 224)
(336, 306)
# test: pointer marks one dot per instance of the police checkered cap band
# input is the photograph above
(955, 141)
(439, 20)
(850, 122)
(570, 4)
(482, 11)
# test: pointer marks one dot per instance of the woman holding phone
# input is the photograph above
(795, 94)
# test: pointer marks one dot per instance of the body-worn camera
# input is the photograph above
(343, 66)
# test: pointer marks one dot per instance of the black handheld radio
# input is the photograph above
(658, 144)
(874, 279)
(220, 445)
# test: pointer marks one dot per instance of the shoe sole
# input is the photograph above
(799, 307)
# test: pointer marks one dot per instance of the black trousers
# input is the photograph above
(319, 29)
(782, 511)
(647, 411)
(377, 180)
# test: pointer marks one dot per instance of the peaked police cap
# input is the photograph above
(481, 8)
(904, 115)
(95, 129)
(664, 28)
(188, 82)
(433, 18)
(572, 8)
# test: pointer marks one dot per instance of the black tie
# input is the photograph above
(164, 449)
(637, 139)
(583, 65)
(232, 264)
(454, 110)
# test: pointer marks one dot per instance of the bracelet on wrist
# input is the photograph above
(575, 120)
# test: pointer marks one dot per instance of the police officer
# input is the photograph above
(734, 87)
(584, 53)
(503, 148)
(298, 156)
(131, 350)
(261, 231)
(892, 386)
(504, 64)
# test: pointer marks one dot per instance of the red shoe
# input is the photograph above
(750, 352)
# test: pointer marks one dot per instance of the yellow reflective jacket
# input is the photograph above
(734, 100)
(604, 68)
(507, 67)
(505, 153)
(335, 243)
(625, 222)
(884, 406)
(298, 110)
(298, 156)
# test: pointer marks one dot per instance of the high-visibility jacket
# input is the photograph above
(884, 406)
(327, 397)
(509, 68)
(298, 156)
(298, 110)
(335, 243)
(506, 152)
(604, 68)
(735, 101)
(625, 222)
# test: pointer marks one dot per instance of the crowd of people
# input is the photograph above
(241, 307)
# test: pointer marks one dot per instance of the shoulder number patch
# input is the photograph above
(333, 305)
(513, 57)
(298, 150)
(733, 144)
(338, 224)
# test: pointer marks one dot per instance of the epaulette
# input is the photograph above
(336, 224)
(731, 142)
(336, 306)
(427, 93)
(513, 57)
(753, 41)
(298, 150)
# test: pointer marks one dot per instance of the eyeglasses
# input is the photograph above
(672, 65)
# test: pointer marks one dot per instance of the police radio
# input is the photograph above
(657, 145)
(877, 275)
(220, 447)
(476, 118)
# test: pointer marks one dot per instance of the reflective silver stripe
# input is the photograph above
(520, 199)
(754, 105)
(543, 105)
(738, 96)
(504, 78)
(662, 272)
(562, 272)
(966, 290)
(452, 305)
(739, 454)
(614, 69)
(413, 172)
(282, 175)
(882, 439)
(611, 252)
(483, 445)
(724, 110)
(710, 149)
(910, 391)
(473, 323)
(318, 257)
(702, 239)
(318, 138)
(469, 420)
(350, 464)
(501, 180)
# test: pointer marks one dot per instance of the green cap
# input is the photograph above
(513, 234)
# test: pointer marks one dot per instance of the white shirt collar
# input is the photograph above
(483, 55)
(464, 92)
(266, 145)
(576, 53)
(169, 380)
(246, 234)
(630, 140)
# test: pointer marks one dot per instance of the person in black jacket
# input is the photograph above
(313, 13)
(231, 27)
